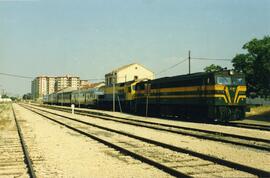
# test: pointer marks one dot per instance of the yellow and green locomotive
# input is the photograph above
(215, 96)
(123, 94)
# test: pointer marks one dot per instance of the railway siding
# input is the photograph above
(256, 143)
(203, 126)
(157, 134)
(185, 163)
(69, 154)
(11, 154)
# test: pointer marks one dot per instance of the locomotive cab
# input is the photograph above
(230, 99)
(233, 87)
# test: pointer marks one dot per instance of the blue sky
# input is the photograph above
(89, 38)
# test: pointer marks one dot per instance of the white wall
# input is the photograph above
(130, 72)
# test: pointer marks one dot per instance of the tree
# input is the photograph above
(256, 65)
(212, 68)
(13, 98)
(27, 96)
(5, 96)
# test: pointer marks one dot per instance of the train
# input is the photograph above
(209, 96)
(82, 98)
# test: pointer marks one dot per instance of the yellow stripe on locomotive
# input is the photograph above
(201, 91)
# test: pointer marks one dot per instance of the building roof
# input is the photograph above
(92, 85)
(68, 89)
(67, 76)
(124, 67)
(64, 76)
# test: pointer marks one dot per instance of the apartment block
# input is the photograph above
(51, 85)
(43, 85)
(66, 81)
(39, 87)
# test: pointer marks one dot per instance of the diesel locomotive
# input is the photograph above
(215, 96)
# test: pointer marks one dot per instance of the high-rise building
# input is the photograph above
(43, 85)
(39, 87)
(50, 84)
(66, 81)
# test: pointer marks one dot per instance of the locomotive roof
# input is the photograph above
(181, 77)
(191, 76)
(130, 82)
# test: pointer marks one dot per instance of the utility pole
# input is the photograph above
(79, 97)
(147, 100)
(189, 62)
(113, 91)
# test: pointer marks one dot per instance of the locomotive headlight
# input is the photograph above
(231, 72)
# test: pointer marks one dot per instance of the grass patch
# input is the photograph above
(4, 115)
(261, 113)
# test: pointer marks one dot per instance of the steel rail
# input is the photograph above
(245, 125)
(240, 167)
(27, 159)
(249, 126)
(184, 128)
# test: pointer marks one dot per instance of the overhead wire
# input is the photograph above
(158, 73)
(17, 76)
(171, 67)
(211, 59)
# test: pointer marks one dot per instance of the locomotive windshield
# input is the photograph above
(238, 81)
(225, 80)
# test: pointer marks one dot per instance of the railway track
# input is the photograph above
(174, 160)
(231, 124)
(28, 161)
(239, 140)
(15, 159)
(249, 126)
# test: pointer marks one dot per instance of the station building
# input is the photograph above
(127, 73)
